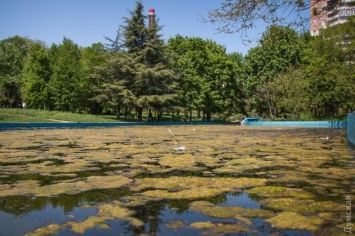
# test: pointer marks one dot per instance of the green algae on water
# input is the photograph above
(277, 191)
(31, 187)
(176, 224)
(209, 209)
(46, 230)
(290, 169)
(294, 220)
(219, 228)
(192, 187)
(301, 205)
(89, 223)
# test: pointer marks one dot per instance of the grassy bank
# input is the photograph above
(29, 115)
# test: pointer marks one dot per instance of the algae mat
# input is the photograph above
(132, 181)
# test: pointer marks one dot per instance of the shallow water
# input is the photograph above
(31, 213)
(230, 180)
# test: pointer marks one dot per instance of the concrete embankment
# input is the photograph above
(351, 128)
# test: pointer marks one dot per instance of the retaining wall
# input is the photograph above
(304, 124)
(351, 128)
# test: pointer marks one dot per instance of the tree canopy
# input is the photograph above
(209, 78)
(139, 76)
(13, 54)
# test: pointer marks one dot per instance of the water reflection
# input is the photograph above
(22, 205)
(21, 214)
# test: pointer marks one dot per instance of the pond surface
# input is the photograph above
(229, 180)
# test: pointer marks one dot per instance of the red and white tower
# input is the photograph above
(151, 17)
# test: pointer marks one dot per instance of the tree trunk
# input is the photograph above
(126, 112)
(139, 111)
(150, 115)
(118, 113)
(270, 109)
(208, 116)
(160, 114)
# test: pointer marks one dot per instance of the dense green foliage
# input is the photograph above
(137, 75)
(13, 54)
(209, 78)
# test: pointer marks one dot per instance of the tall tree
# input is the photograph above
(110, 84)
(279, 49)
(330, 67)
(116, 44)
(36, 74)
(67, 83)
(135, 31)
(290, 93)
(93, 59)
(150, 80)
(209, 78)
(13, 54)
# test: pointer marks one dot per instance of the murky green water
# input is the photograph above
(229, 180)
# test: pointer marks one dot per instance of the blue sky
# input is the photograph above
(89, 21)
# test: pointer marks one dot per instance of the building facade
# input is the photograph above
(339, 14)
(328, 13)
(318, 16)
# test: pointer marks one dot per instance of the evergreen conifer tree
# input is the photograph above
(150, 80)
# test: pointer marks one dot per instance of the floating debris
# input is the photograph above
(179, 149)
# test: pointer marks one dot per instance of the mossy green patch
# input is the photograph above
(114, 210)
(203, 225)
(89, 223)
(219, 228)
(294, 220)
(244, 220)
(107, 211)
(209, 209)
(277, 191)
(176, 182)
(187, 160)
(46, 230)
(176, 224)
(137, 200)
(192, 187)
(104, 226)
(222, 229)
(199, 192)
(301, 205)
(31, 187)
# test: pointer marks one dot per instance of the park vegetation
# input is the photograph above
(137, 75)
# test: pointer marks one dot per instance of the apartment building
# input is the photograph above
(339, 14)
(328, 13)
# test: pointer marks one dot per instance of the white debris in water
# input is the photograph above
(179, 149)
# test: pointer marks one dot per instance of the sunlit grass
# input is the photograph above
(30, 115)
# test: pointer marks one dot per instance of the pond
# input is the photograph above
(227, 180)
